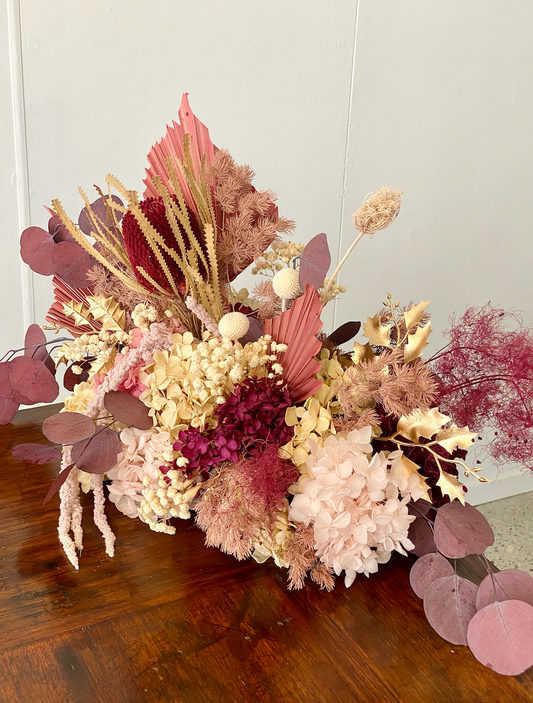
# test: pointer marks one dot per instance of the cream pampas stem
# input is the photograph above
(100, 519)
(69, 495)
(341, 264)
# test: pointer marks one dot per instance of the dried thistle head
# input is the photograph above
(378, 211)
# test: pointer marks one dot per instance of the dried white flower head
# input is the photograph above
(286, 284)
(233, 325)
(378, 211)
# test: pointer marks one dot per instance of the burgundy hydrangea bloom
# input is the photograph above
(253, 416)
(486, 375)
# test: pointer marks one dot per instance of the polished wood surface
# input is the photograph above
(169, 620)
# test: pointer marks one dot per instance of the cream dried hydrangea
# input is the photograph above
(356, 503)
(189, 380)
(274, 542)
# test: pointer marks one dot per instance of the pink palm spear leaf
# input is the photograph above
(297, 328)
(171, 147)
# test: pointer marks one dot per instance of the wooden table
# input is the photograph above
(168, 620)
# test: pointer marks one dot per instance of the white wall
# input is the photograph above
(327, 101)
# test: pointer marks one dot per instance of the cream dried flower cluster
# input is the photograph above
(351, 499)
(191, 378)
(279, 255)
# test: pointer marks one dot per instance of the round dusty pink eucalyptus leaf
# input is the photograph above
(421, 536)
(461, 530)
(450, 604)
(71, 263)
(36, 453)
(34, 336)
(99, 453)
(99, 209)
(128, 409)
(500, 636)
(427, 569)
(344, 333)
(8, 408)
(315, 260)
(59, 481)
(32, 379)
(509, 584)
(71, 379)
(37, 250)
(68, 428)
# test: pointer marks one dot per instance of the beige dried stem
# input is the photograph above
(378, 211)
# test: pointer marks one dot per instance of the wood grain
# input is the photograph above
(168, 620)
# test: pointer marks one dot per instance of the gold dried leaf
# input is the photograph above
(455, 437)
(78, 312)
(409, 468)
(451, 486)
(377, 334)
(421, 424)
(416, 343)
(413, 316)
(102, 364)
(108, 312)
(362, 352)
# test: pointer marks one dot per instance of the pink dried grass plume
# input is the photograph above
(242, 499)
(250, 220)
(399, 387)
(302, 559)
(486, 381)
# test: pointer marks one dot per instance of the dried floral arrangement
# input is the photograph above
(189, 397)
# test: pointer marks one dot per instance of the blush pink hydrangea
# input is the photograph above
(141, 456)
(356, 503)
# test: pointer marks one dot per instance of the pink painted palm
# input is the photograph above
(297, 328)
(171, 146)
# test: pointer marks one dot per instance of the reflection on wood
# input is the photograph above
(169, 620)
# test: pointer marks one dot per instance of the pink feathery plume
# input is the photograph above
(171, 146)
(69, 495)
(202, 314)
(99, 517)
(63, 293)
(298, 328)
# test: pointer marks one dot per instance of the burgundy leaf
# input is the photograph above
(32, 379)
(68, 428)
(509, 584)
(419, 507)
(58, 230)
(8, 408)
(344, 333)
(37, 249)
(59, 481)
(7, 391)
(421, 536)
(99, 209)
(71, 263)
(315, 260)
(450, 604)
(254, 332)
(461, 530)
(128, 409)
(500, 636)
(70, 379)
(36, 453)
(427, 569)
(34, 336)
(99, 453)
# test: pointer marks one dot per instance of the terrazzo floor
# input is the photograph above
(512, 522)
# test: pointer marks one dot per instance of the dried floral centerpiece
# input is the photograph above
(189, 397)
